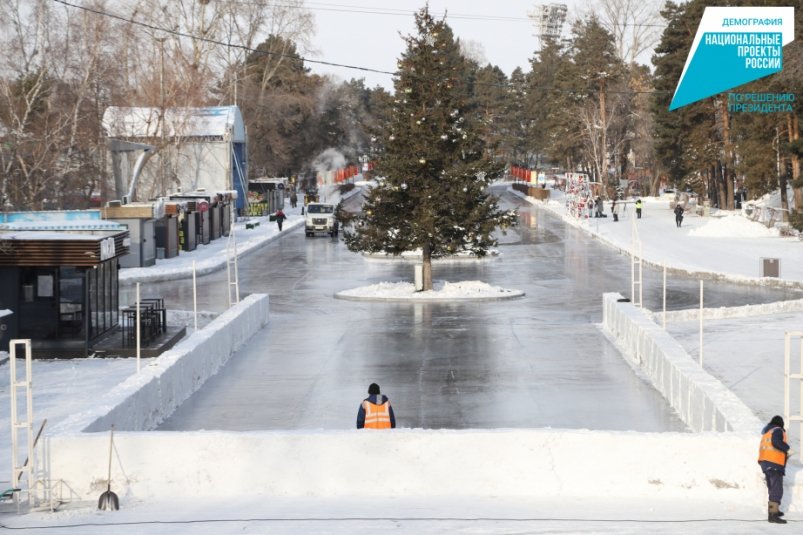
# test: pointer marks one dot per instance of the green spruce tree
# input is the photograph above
(433, 194)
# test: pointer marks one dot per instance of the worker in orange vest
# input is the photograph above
(773, 452)
(375, 411)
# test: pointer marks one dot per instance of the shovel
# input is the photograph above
(108, 501)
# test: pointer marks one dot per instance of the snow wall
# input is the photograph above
(145, 399)
(412, 462)
(699, 399)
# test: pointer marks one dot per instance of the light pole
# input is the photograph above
(162, 162)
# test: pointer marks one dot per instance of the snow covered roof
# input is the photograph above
(63, 225)
(51, 216)
(225, 122)
(39, 235)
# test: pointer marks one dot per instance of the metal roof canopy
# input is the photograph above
(40, 248)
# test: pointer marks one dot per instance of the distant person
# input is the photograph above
(773, 453)
(615, 210)
(293, 200)
(678, 214)
(638, 208)
(600, 208)
(280, 217)
(375, 411)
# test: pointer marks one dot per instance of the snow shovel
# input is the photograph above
(108, 501)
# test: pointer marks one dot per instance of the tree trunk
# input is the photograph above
(722, 188)
(604, 130)
(794, 133)
(655, 186)
(784, 196)
(426, 256)
(728, 174)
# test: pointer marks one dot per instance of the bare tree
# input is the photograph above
(593, 138)
(636, 25)
(44, 111)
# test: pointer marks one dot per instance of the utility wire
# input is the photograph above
(301, 58)
(214, 42)
(345, 8)
(364, 10)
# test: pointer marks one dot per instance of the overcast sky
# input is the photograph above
(365, 33)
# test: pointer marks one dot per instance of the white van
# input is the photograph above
(320, 217)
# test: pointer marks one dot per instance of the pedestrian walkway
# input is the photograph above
(725, 245)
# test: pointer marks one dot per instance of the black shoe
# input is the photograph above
(775, 518)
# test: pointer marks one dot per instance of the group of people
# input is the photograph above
(599, 208)
(615, 209)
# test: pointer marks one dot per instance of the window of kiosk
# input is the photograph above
(103, 287)
(71, 302)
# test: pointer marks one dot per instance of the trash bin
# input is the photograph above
(771, 267)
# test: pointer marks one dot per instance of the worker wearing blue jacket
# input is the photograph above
(773, 452)
(375, 411)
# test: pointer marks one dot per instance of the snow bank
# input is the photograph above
(145, 399)
(211, 257)
(733, 226)
(538, 463)
(699, 399)
(744, 311)
(405, 291)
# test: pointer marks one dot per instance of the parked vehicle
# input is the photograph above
(311, 195)
(320, 217)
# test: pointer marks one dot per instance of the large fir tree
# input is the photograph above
(433, 194)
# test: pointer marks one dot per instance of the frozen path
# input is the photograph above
(538, 361)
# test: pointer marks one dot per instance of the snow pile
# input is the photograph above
(744, 311)
(441, 291)
(416, 255)
(773, 198)
(733, 226)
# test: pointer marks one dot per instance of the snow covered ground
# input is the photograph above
(441, 290)
(744, 352)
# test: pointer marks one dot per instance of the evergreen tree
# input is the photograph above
(490, 95)
(599, 77)
(278, 100)
(553, 102)
(517, 124)
(432, 196)
(676, 131)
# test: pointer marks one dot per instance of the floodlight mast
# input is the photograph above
(548, 20)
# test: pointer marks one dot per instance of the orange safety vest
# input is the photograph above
(376, 416)
(766, 451)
